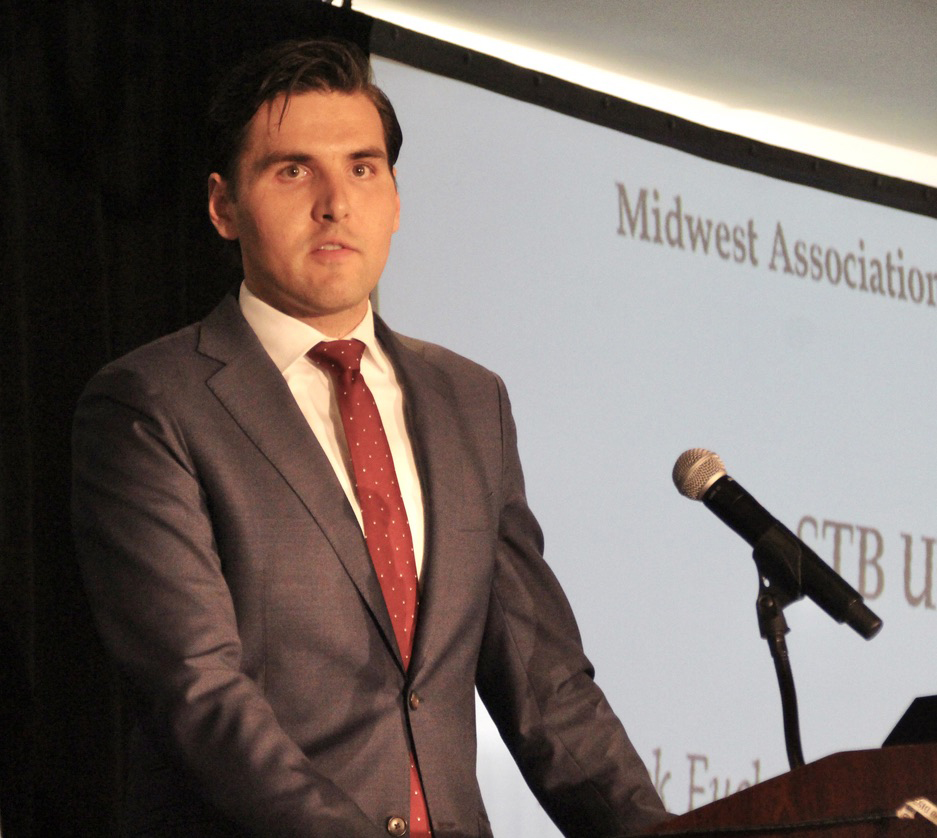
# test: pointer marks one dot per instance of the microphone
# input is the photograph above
(780, 555)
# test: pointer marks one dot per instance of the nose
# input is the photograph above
(331, 199)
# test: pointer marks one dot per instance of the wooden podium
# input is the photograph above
(854, 794)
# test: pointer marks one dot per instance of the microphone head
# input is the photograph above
(695, 471)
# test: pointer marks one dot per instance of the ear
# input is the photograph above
(221, 207)
(397, 198)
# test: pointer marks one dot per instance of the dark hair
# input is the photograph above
(324, 65)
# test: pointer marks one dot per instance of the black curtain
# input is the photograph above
(106, 245)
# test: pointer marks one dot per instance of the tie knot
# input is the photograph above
(338, 355)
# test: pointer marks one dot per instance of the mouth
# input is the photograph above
(332, 247)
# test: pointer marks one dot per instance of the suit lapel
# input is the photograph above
(259, 400)
(431, 420)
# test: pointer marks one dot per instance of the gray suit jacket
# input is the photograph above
(231, 583)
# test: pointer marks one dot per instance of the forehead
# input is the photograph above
(330, 121)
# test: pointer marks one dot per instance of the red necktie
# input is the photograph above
(386, 528)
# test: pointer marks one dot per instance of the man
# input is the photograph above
(290, 678)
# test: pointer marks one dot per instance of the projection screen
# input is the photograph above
(639, 301)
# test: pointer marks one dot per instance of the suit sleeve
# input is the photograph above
(538, 686)
(157, 588)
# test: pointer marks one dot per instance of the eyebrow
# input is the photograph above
(276, 157)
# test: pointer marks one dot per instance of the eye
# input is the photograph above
(361, 170)
(293, 171)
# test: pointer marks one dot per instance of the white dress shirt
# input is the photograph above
(287, 340)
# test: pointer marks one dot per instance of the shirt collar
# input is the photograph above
(287, 339)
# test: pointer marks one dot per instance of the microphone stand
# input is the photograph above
(779, 566)
(770, 608)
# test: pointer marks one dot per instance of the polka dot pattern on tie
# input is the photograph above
(386, 528)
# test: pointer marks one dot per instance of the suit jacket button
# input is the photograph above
(414, 700)
(396, 826)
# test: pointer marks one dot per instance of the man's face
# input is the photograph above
(314, 208)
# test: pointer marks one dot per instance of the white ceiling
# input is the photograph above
(865, 69)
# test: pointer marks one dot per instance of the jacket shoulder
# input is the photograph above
(189, 354)
(450, 363)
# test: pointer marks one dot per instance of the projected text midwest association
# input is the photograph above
(646, 220)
